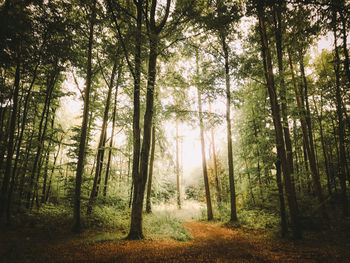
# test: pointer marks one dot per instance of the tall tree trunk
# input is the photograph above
(308, 144)
(284, 227)
(229, 135)
(113, 128)
(258, 157)
(177, 165)
(10, 143)
(136, 214)
(41, 158)
(216, 176)
(298, 179)
(267, 61)
(283, 98)
(81, 154)
(345, 45)
(204, 162)
(47, 194)
(41, 134)
(338, 97)
(324, 151)
(249, 180)
(24, 166)
(150, 176)
(141, 178)
(102, 142)
(43, 195)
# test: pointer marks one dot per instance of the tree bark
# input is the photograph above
(177, 165)
(141, 177)
(150, 176)
(10, 143)
(102, 143)
(112, 135)
(324, 151)
(41, 134)
(284, 227)
(229, 135)
(216, 176)
(308, 144)
(267, 61)
(283, 98)
(338, 97)
(204, 162)
(83, 136)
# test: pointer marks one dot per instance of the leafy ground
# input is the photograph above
(210, 243)
(45, 236)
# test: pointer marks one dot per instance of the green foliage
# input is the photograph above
(164, 225)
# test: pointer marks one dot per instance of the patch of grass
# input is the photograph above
(251, 218)
(107, 222)
(163, 225)
(258, 219)
(108, 218)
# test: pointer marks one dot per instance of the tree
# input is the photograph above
(81, 154)
(266, 55)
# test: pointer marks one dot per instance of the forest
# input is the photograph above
(174, 130)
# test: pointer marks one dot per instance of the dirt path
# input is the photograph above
(210, 244)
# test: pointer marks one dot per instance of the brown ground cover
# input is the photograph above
(211, 243)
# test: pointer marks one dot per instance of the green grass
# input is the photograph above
(162, 224)
(106, 223)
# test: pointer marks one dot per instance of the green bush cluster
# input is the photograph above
(164, 225)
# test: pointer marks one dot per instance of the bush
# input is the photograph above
(164, 225)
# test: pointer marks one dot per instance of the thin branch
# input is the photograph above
(103, 75)
(77, 84)
(109, 4)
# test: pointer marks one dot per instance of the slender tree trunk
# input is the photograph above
(112, 135)
(298, 178)
(258, 157)
(10, 143)
(41, 158)
(319, 118)
(204, 162)
(283, 98)
(216, 176)
(140, 181)
(177, 165)
(345, 49)
(43, 194)
(41, 134)
(23, 169)
(249, 180)
(293, 207)
(81, 154)
(102, 143)
(47, 194)
(284, 227)
(150, 176)
(136, 214)
(338, 97)
(308, 145)
(229, 135)
(141, 178)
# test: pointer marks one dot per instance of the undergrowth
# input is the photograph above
(247, 217)
(106, 223)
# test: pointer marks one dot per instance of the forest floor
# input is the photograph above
(210, 243)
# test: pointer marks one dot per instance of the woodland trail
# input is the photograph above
(210, 243)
